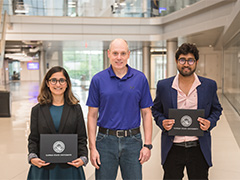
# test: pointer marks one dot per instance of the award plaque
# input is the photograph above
(58, 148)
(186, 123)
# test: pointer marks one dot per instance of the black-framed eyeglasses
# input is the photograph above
(190, 61)
(54, 81)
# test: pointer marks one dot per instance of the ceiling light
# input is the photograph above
(13, 50)
(20, 11)
(72, 3)
(123, 4)
(19, 56)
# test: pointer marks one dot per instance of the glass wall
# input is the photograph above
(135, 60)
(82, 65)
(170, 6)
(161, 67)
(231, 78)
(14, 70)
(160, 61)
(93, 8)
(7, 6)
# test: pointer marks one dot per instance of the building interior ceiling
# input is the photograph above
(207, 38)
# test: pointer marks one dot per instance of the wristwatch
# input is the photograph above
(149, 146)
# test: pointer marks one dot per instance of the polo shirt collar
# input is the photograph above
(128, 75)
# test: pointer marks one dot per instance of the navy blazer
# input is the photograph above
(72, 122)
(166, 98)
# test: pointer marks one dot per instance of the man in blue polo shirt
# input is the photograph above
(118, 96)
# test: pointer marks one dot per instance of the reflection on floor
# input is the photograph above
(234, 98)
(14, 132)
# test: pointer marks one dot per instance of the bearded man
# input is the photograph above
(186, 90)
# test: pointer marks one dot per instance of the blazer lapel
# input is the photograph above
(201, 95)
(64, 118)
(47, 115)
(173, 95)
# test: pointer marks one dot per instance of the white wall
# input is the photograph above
(53, 58)
(28, 75)
(210, 64)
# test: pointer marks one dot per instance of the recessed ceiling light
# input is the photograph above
(21, 11)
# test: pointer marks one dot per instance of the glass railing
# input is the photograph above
(95, 8)
(231, 68)
(169, 6)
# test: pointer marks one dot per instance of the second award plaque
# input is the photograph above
(186, 123)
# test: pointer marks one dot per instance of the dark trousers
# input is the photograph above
(191, 158)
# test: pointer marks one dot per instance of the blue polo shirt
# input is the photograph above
(119, 100)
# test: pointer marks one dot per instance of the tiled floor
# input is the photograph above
(14, 132)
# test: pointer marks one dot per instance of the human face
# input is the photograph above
(186, 69)
(59, 88)
(118, 54)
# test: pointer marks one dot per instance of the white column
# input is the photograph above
(60, 58)
(42, 64)
(152, 73)
(106, 62)
(146, 62)
(171, 65)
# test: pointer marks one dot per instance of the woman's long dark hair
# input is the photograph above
(45, 95)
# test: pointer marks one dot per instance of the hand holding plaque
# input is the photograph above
(186, 123)
(38, 162)
(58, 148)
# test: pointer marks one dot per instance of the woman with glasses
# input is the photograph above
(57, 112)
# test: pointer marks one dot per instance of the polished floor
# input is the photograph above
(14, 132)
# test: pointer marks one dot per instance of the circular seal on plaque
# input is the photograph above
(58, 146)
(186, 121)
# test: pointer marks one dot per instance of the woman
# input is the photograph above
(57, 112)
